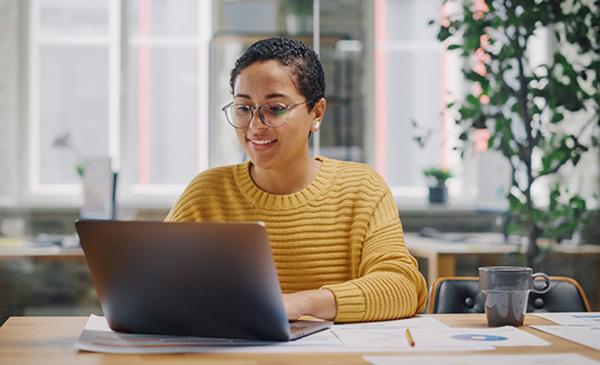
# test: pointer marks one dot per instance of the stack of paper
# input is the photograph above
(98, 337)
(580, 327)
(572, 318)
(429, 335)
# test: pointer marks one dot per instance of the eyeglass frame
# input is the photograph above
(261, 116)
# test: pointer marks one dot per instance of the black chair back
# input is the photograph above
(462, 295)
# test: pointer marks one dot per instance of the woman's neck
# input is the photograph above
(286, 181)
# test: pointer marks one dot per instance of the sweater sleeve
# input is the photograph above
(389, 285)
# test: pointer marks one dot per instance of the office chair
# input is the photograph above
(462, 295)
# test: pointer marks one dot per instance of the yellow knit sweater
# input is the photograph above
(341, 233)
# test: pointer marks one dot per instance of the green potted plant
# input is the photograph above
(438, 192)
(64, 141)
(528, 109)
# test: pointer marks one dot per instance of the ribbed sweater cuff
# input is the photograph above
(349, 301)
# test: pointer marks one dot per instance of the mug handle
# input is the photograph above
(546, 282)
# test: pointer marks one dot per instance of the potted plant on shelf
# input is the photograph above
(438, 192)
(530, 110)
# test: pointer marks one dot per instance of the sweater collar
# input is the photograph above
(262, 199)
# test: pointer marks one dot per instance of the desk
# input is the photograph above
(29, 273)
(441, 255)
(41, 253)
(51, 340)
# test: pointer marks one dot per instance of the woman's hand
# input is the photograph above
(318, 303)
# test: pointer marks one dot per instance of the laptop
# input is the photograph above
(188, 279)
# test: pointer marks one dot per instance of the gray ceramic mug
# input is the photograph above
(506, 292)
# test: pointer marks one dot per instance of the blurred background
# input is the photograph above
(142, 82)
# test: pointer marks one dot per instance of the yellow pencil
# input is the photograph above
(409, 338)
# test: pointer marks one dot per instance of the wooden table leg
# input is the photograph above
(439, 265)
(447, 265)
(432, 269)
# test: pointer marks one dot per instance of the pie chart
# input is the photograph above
(478, 337)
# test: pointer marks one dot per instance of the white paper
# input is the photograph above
(441, 339)
(112, 342)
(391, 336)
(428, 333)
(572, 318)
(97, 323)
(584, 335)
(553, 359)
(394, 339)
(98, 337)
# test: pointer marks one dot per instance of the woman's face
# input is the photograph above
(282, 147)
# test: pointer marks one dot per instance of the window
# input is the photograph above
(412, 77)
(143, 81)
(82, 61)
(73, 88)
(165, 122)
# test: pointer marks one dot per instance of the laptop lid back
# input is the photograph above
(191, 279)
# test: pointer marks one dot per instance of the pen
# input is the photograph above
(409, 338)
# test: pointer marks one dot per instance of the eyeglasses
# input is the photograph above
(271, 114)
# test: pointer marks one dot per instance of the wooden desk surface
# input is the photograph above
(423, 246)
(42, 253)
(51, 340)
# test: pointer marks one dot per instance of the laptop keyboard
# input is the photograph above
(297, 326)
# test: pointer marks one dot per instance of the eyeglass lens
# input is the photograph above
(273, 115)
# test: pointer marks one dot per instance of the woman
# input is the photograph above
(334, 228)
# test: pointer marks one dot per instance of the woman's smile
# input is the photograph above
(261, 144)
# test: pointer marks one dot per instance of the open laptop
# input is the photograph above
(189, 279)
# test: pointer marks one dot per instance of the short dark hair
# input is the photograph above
(303, 61)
